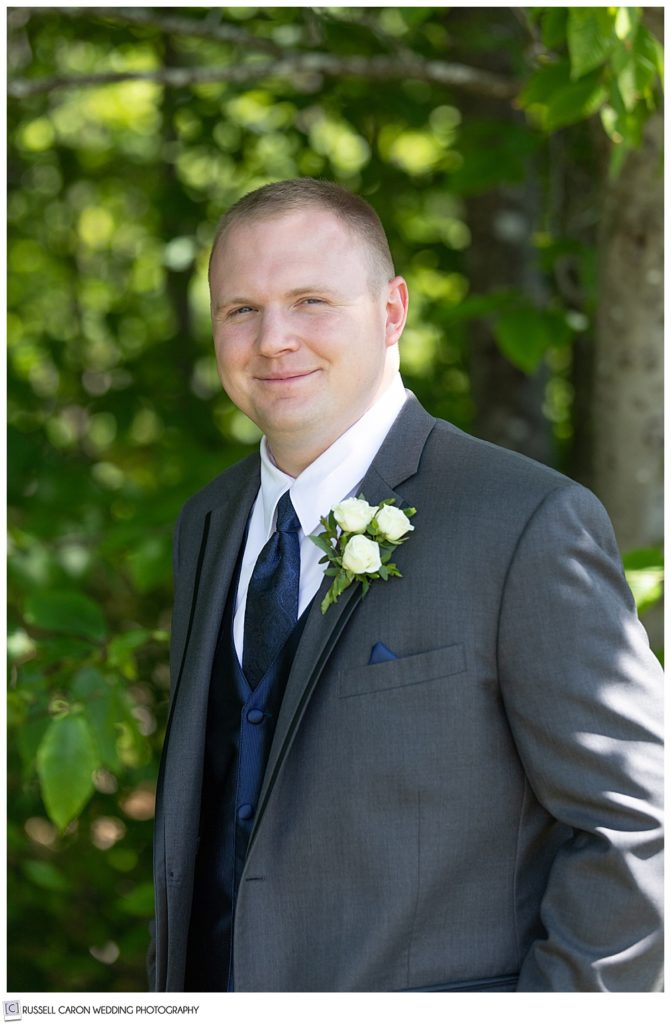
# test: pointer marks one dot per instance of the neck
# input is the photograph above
(293, 459)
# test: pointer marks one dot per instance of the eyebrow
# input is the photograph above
(323, 288)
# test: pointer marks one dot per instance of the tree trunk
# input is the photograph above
(508, 403)
(628, 377)
(628, 424)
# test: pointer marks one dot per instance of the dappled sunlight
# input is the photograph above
(115, 410)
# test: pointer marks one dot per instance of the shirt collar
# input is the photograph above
(337, 471)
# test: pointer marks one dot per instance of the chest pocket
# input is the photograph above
(409, 671)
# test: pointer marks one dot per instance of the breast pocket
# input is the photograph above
(391, 675)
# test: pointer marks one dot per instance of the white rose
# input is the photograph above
(393, 522)
(361, 555)
(353, 514)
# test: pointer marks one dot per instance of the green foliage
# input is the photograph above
(597, 59)
(115, 412)
(66, 612)
(644, 569)
(66, 760)
(524, 334)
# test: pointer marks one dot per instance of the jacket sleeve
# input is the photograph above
(583, 694)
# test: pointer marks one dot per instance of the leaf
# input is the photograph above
(66, 760)
(321, 542)
(553, 26)
(66, 611)
(644, 569)
(139, 902)
(120, 645)
(617, 157)
(590, 36)
(611, 123)
(120, 651)
(648, 60)
(626, 21)
(46, 876)
(577, 101)
(149, 563)
(54, 648)
(627, 84)
(103, 711)
(133, 747)
(555, 100)
(544, 83)
(341, 582)
(476, 306)
(525, 335)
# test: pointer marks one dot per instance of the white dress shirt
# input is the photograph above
(331, 478)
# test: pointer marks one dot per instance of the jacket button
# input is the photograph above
(245, 812)
(255, 716)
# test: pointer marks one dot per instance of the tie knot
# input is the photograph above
(287, 520)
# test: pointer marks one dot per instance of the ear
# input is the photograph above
(396, 310)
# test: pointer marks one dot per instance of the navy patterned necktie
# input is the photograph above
(272, 598)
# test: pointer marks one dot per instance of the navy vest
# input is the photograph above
(240, 727)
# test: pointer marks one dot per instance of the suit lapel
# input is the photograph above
(223, 529)
(396, 461)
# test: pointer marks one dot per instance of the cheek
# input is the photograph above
(229, 353)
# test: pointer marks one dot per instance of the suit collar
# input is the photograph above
(400, 453)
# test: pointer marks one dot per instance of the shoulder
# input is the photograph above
(508, 484)
(473, 456)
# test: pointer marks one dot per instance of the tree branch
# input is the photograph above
(170, 25)
(458, 76)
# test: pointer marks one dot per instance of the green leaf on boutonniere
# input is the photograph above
(321, 541)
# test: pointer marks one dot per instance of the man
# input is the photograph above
(450, 783)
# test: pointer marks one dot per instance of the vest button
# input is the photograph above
(245, 812)
(255, 716)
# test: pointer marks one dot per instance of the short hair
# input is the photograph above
(301, 193)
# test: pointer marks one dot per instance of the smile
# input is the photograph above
(288, 378)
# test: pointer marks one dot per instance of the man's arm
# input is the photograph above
(583, 694)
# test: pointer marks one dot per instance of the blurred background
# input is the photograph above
(514, 156)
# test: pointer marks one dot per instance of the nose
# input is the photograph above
(275, 334)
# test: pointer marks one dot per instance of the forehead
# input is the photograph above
(310, 237)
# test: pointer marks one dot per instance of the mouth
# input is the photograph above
(287, 377)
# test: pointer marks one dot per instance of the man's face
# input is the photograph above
(302, 337)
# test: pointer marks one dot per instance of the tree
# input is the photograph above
(131, 130)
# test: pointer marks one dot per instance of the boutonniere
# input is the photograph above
(358, 542)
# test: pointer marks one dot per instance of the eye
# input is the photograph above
(312, 300)
(240, 310)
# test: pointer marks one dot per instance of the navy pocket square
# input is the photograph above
(381, 652)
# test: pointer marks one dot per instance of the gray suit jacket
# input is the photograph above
(482, 812)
